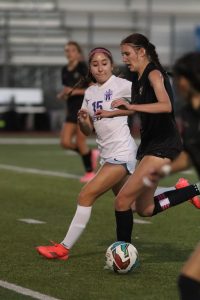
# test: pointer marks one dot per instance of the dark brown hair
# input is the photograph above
(137, 40)
(188, 66)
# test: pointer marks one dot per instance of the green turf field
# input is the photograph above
(163, 245)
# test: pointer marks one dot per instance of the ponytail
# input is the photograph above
(153, 55)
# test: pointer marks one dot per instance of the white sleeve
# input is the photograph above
(84, 103)
(127, 90)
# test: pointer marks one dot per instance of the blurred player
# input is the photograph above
(189, 279)
(187, 81)
(116, 145)
(72, 75)
(160, 143)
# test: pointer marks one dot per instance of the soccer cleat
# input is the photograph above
(57, 251)
(94, 157)
(182, 182)
(87, 177)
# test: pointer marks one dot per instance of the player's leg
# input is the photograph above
(86, 155)
(128, 195)
(67, 134)
(182, 162)
(108, 176)
(189, 279)
(146, 203)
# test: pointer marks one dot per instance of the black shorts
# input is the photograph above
(170, 153)
(73, 106)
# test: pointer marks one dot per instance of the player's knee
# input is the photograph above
(86, 198)
(144, 212)
(121, 203)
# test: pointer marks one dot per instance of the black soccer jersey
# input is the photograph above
(70, 78)
(159, 133)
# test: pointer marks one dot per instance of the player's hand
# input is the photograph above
(68, 90)
(83, 115)
(120, 103)
(101, 113)
(61, 96)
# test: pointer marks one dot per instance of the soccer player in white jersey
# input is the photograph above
(116, 145)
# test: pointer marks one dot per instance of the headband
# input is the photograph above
(100, 50)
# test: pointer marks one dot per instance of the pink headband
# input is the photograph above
(100, 50)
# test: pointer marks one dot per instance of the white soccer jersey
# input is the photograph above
(113, 135)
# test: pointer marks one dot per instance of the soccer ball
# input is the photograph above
(121, 257)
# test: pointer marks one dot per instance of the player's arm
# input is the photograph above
(85, 122)
(121, 111)
(163, 105)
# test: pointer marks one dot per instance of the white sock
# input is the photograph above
(77, 225)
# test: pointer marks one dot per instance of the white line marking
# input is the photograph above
(139, 221)
(24, 291)
(37, 141)
(38, 171)
(32, 221)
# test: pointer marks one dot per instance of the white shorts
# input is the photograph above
(128, 165)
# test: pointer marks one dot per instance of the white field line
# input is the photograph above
(31, 221)
(36, 141)
(38, 171)
(24, 291)
(159, 190)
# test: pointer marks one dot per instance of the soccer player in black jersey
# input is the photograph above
(160, 143)
(187, 82)
(72, 75)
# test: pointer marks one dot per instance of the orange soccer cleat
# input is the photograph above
(181, 183)
(57, 251)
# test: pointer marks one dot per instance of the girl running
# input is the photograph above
(116, 145)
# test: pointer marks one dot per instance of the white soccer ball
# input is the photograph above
(121, 257)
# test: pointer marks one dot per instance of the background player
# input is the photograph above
(187, 82)
(116, 145)
(73, 75)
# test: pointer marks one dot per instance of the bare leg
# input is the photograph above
(182, 162)
(67, 134)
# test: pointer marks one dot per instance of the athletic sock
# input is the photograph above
(175, 197)
(87, 161)
(76, 150)
(189, 288)
(77, 225)
(124, 222)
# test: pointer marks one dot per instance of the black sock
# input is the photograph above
(174, 197)
(124, 222)
(189, 288)
(76, 150)
(87, 161)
